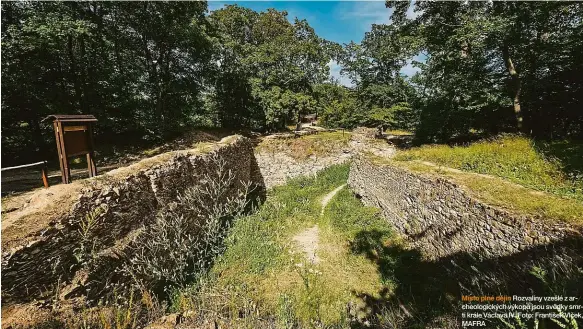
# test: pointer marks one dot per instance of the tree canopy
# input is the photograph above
(267, 67)
(149, 70)
(497, 66)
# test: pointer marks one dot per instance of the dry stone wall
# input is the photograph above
(41, 245)
(441, 219)
(277, 168)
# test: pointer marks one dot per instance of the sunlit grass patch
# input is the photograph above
(320, 144)
(397, 132)
(510, 196)
(263, 264)
(511, 157)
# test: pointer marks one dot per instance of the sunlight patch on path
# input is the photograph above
(329, 197)
(308, 241)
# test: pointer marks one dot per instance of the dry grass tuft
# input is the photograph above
(301, 148)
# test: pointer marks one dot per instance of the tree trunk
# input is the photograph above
(299, 122)
(84, 73)
(516, 86)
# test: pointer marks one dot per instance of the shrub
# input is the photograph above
(187, 235)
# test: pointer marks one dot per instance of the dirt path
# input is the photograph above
(309, 239)
(329, 197)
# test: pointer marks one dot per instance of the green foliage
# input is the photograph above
(281, 107)
(349, 113)
(138, 67)
(267, 67)
(398, 116)
(151, 70)
(380, 56)
(495, 67)
(343, 114)
(382, 97)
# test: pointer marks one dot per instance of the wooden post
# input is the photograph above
(42, 164)
(91, 155)
(44, 175)
(66, 174)
(57, 127)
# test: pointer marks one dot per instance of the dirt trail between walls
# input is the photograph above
(329, 197)
(309, 239)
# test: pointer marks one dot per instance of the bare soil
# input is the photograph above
(308, 241)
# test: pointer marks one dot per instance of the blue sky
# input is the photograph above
(339, 21)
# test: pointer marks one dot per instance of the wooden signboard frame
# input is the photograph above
(74, 137)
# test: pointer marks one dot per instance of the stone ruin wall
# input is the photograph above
(39, 245)
(441, 219)
(278, 167)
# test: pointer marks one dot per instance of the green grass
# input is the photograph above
(398, 132)
(263, 266)
(515, 158)
(365, 272)
(510, 196)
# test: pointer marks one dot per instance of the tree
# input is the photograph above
(496, 66)
(374, 66)
(268, 67)
(138, 67)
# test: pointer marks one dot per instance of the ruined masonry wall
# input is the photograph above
(441, 219)
(37, 257)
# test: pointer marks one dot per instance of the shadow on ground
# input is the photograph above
(428, 293)
(569, 154)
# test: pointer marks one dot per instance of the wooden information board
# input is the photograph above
(74, 137)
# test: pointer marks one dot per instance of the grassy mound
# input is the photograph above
(321, 144)
(517, 159)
